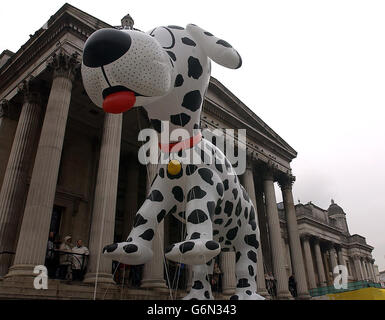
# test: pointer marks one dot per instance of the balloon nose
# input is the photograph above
(105, 46)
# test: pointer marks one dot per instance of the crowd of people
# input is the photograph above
(64, 260)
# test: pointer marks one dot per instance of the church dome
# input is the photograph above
(335, 209)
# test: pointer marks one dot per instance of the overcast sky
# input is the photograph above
(314, 71)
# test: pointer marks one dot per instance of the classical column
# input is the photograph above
(275, 237)
(104, 207)
(341, 260)
(309, 261)
(14, 188)
(295, 244)
(153, 274)
(372, 270)
(248, 184)
(333, 258)
(32, 244)
(363, 266)
(320, 266)
(227, 263)
(357, 267)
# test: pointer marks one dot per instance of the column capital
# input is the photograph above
(65, 65)
(306, 236)
(30, 89)
(286, 181)
(356, 257)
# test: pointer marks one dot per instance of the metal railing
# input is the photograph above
(64, 269)
(351, 286)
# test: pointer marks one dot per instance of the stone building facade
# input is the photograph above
(69, 168)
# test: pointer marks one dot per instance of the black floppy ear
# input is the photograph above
(217, 49)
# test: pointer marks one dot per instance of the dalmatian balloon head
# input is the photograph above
(168, 67)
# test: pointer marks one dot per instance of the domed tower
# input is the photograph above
(337, 213)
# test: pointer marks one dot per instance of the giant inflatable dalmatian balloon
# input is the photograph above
(167, 71)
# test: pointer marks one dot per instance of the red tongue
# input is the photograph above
(119, 102)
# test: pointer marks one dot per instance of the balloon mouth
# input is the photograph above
(118, 99)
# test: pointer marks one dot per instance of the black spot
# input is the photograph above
(212, 245)
(253, 225)
(232, 233)
(221, 239)
(192, 100)
(178, 193)
(228, 208)
(177, 176)
(180, 119)
(206, 175)
(252, 256)
(248, 292)
(196, 193)
(188, 42)
(130, 248)
(156, 196)
(161, 215)
(246, 213)
(240, 61)
(197, 285)
(182, 215)
(228, 243)
(197, 216)
(161, 172)
(208, 34)
(251, 240)
(157, 124)
(147, 235)
(186, 246)
(251, 270)
(190, 169)
(238, 208)
(205, 157)
(234, 297)
(228, 222)
(235, 193)
(252, 213)
(227, 164)
(218, 221)
(226, 184)
(239, 223)
(169, 248)
(218, 209)
(175, 27)
(172, 55)
(220, 189)
(139, 220)
(215, 232)
(209, 263)
(173, 210)
(237, 256)
(195, 235)
(224, 43)
(243, 283)
(218, 166)
(110, 248)
(195, 69)
(129, 239)
(179, 81)
(207, 294)
(211, 207)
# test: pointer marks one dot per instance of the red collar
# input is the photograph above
(181, 145)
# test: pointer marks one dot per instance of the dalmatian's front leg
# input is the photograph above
(201, 288)
(137, 248)
(202, 197)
